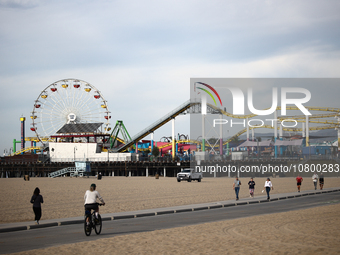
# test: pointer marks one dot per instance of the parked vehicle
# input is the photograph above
(189, 174)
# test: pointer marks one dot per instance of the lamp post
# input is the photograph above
(74, 153)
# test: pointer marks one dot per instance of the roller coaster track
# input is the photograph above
(311, 108)
(35, 139)
(26, 149)
(315, 118)
(271, 127)
(332, 122)
(245, 130)
(188, 104)
(179, 142)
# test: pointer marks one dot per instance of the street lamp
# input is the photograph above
(74, 152)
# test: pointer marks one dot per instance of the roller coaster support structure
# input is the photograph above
(34, 144)
(307, 130)
(338, 119)
(203, 132)
(15, 145)
(173, 138)
(151, 141)
(275, 132)
(221, 137)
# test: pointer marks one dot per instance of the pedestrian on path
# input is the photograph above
(299, 180)
(37, 200)
(315, 178)
(268, 186)
(321, 181)
(251, 184)
(236, 187)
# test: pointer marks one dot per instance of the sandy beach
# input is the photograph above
(309, 231)
(64, 196)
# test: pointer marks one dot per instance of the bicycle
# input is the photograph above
(95, 223)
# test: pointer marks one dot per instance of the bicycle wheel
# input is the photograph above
(98, 225)
(87, 227)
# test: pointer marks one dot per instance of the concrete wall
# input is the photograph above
(69, 152)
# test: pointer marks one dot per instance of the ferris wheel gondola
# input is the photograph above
(68, 101)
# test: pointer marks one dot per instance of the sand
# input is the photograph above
(309, 231)
(63, 197)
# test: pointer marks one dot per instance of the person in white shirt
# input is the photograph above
(315, 178)
(268, 186)
(91, 200)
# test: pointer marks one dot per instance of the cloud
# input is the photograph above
(141, 55)
(20, 4)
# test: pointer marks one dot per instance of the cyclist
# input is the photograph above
(90, 200)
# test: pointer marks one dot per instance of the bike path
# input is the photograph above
(19, 226)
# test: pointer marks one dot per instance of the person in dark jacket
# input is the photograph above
(321, 181)
(251, 184)
(36, 200)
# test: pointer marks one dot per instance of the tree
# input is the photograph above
(155, 151)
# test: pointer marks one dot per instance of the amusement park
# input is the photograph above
(72, 133)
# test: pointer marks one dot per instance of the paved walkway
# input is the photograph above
(17, 226)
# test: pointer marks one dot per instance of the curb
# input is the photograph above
(165, 212)
(151, 214)
(215, 206)
(69, 222)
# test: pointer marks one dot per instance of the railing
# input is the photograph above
(102, 159)
(72, 170)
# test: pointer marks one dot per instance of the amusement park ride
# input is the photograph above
(71, 117)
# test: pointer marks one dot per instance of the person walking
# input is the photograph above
(37, 200)
(251, 184)
(315, 178)
(268, 186)
(299, 180)
(321, 181)
(236, 187)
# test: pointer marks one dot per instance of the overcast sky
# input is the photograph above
(142, 54)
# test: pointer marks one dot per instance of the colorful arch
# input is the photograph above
(212, 89)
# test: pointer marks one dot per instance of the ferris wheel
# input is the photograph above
(68, 101)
